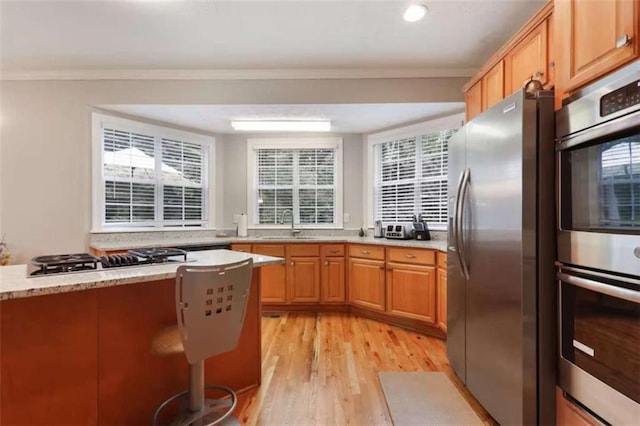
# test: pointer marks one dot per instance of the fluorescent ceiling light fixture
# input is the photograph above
(282, 126)
(415, 12)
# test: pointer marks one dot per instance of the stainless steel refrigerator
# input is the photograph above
(501, 338)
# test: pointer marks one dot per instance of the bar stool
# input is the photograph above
(211, 302)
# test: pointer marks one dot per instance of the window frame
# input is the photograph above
(101, 120)
(253, 144)
(452, 121)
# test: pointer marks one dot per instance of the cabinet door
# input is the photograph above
(529, 59)
(246, 248)
(442, 299)
(473, 99)
(366, 283)
(493, 86)
(304, 279)
(411, 291)
(274, 283)
(333, 280)
(593, 38)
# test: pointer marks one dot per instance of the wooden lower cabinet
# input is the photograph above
(332, 280)
(441, 313)
(274, 277)
(411, 291)
(303, 277)
(366, 283)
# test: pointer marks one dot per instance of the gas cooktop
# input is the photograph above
(85, 262)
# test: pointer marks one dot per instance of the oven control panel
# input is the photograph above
(620, 99)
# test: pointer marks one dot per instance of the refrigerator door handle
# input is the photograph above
(456, 213)
(462, 256)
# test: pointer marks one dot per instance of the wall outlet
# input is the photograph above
(236, 218)
(346, 218)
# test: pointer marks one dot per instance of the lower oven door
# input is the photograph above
(600, 342)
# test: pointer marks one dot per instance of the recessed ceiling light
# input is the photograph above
(415, 12)
(282, 126)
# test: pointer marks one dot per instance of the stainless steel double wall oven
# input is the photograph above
(598, 143)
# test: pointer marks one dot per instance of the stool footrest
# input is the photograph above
(211, 406)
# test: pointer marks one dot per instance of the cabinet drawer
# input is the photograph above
(332, 250)
(412, 255)
(276, 250)
(241, 247)
(442, 260)
(303, 250)
(366, 252)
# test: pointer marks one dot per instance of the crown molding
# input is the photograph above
(240, 74)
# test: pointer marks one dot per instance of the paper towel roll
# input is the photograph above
(242, 225)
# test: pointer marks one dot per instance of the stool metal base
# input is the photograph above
(213, 412)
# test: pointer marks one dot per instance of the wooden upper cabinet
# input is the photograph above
(473, 99)
(528, 59)
(593, 38)
(493, 86)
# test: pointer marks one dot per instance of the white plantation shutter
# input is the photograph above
(129, 177)
(303, 180)
(411, 179)
(149, 180)
(433, 177)
(182, 184)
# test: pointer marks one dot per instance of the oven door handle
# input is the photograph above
(609, 290)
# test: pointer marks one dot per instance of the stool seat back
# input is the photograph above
(211, 302)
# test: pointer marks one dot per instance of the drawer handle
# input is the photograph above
(410, 256)
(242, 250)
(623, 40)
(365, 252)
(334, 251)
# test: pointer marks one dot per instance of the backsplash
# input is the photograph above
(201, 235)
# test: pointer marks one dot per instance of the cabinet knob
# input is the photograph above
(292, 264)
(326, 263)
(623, 40)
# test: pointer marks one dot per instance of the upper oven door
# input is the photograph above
(599, 197)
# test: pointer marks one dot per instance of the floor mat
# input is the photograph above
(425, 398)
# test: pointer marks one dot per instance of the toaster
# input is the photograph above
(399, 231)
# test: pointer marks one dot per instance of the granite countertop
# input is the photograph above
(15, 284)
(169, 242)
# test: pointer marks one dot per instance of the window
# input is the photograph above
(409, 172)
(149, 176)
(302, 175)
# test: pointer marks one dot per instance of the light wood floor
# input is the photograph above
(321, 369)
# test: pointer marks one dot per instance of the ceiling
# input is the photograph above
(345, 118)
(454, 39)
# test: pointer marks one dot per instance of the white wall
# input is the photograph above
(235, 179)
(45, 140)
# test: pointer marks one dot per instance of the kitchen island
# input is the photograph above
(75, 349)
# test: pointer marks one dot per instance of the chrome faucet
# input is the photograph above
(294, 231)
